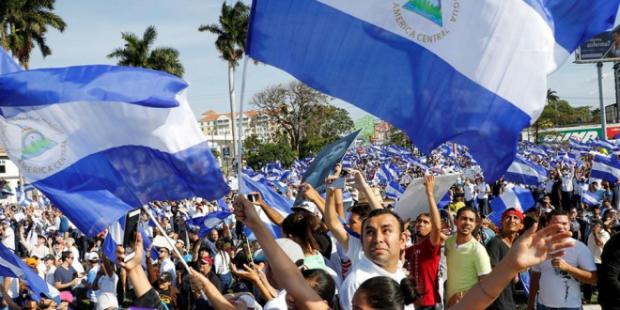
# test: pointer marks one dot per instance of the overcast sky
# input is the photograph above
(94, 30)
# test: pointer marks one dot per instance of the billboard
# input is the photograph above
(604, 47)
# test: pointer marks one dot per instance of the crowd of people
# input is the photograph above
(340, 248)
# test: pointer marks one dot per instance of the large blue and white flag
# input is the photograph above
(472, 72)
(13, 267)
(523, 171)
(99, 141)
(606, 168)
(516, 197)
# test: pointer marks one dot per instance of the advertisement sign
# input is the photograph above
(604, 47)
(583, 135)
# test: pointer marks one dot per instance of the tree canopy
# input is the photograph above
(139, 52)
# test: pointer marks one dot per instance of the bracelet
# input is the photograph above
(485, 292)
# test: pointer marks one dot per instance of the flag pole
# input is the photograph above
(240, 126)
(174, 249)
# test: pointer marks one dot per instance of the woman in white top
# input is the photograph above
(222, 261)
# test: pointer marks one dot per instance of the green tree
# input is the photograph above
(231, 32)
(139, 52)
(258, 154)
(24, 25)
(303, 116)
(398, 137)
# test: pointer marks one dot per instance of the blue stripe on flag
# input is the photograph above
(34, 88)
(7, 63)
(388, 76)
(99, 189)
(575, 21)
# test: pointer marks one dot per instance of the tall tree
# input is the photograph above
(138, 52)
(231, 32)
(304, 116)
(24, 25)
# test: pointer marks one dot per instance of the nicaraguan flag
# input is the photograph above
(472, 72)
(606, 168)
(208, 222)
(13, 267)
(515, 197)
(523, 171)
(603, 144)
(394, 190)
(99, 141)
(590, 199)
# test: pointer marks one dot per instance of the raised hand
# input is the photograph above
(534, 247)
(245, 212)
(136, 260)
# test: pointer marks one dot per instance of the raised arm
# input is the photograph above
(284, 270)
(272, 214)
(429, 184)
(531, 249)
(200, 282)
(331, 218)
(311, 194)
(362, 186)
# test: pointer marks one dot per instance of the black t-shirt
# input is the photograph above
(609, 275)
(497, 249)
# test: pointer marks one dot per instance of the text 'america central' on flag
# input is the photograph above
(470, 72)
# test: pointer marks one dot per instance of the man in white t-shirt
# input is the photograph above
(482, 196)
(556, 282)
(596, 241)
(382, 239)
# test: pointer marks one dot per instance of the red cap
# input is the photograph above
(513, 211)
(207, 260)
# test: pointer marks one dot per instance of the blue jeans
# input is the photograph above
(541, 307)
(226, 281)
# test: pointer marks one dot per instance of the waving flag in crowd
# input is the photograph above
(606, 168)
(208, 222)
(398, 60)
(523, 171)
(394, 190)
(99, 141)
(276, 201)
(515, 197)
(13, 267)
(590, 199)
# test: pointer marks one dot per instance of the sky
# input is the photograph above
(94, 30)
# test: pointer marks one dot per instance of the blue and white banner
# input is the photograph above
(523, 171)
(606, 168)
(472, 72)
(515, 197)
(99, 141)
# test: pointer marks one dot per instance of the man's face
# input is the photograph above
(563, 221)
(355, 223)
(382, 239)
(465, 223)
(511, 223)
(423, 226)
(163, 253)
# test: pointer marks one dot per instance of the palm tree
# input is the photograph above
(231, 32)
(137, 53)
(552, 97)
(24, 24)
